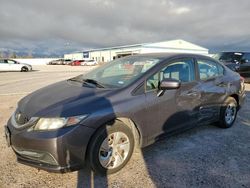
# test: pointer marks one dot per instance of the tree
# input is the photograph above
(2, 54)
(13, 55)
(30, 54)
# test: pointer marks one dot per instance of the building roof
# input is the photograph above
(172, 44)
(175, 44)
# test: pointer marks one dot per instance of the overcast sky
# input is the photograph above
(56, 26)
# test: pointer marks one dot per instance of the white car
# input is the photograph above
(12, 65)
(89, 62)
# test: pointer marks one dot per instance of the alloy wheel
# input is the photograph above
(114, 150)
(230, 113)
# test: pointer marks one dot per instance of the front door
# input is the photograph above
(13, 66)
(175, 109)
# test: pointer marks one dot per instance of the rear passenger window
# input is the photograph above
(208, 69)
(3, 61)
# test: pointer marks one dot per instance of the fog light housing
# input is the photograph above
(36, 156)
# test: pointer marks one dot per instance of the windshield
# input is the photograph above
(228, 56)
(121, 72)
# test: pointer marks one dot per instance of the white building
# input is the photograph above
(108, 54)
(74, 56)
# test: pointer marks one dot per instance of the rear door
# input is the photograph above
(213, 89)
(175, 109)
(4, 65)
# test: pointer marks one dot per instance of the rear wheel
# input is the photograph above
(111, 148)
(228, 113)
(24, 69)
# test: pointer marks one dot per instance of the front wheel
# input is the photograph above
(111, 148)
(228, 113)
(24, 69)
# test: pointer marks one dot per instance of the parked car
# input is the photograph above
(67, 61)
(99, 117)
(13, 65)
(56, 62)
(77, 63)
(237, 61)
(90, 62)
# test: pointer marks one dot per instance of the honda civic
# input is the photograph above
(99, 118)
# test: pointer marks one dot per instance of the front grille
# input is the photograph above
(21, 118)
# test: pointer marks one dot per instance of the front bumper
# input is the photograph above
(62, 150)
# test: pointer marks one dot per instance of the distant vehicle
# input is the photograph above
(76, 63)
(67, 61)
(97, 118)
(56, 62)
(13, 65)
(236, 61)
(90, 62)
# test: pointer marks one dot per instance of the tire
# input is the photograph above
(105, 155)
(24, 69)
(228, 113)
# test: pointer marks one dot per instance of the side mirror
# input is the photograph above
(169, 83)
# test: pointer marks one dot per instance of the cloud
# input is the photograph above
(182, 10)
(58, 26)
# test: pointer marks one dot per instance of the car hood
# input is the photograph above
(64, 99)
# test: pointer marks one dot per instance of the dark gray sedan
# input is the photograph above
(98, 118)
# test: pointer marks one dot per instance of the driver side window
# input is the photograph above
(11, 62)
(182, 70)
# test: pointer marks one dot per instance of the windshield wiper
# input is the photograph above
(87, 82)
(91, 81)
(75, 79)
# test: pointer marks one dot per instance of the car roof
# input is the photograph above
(166, 55)
(243, 52)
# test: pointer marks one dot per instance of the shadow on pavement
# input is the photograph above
(87, 178)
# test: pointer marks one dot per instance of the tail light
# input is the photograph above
(242, 79)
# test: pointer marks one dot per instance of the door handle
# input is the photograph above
(193, 93)
(222, 83)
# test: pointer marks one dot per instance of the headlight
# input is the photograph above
(56, 123)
